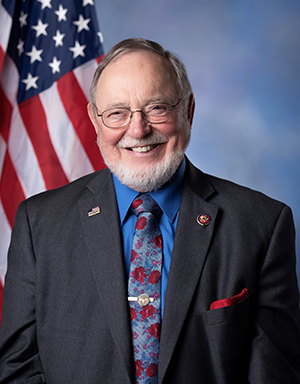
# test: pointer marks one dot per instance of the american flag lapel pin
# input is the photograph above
(94, 211)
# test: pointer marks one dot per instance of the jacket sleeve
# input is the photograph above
(275, 350)
(19, 354)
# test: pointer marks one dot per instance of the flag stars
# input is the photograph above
(22, 19)
(42, 47)
(35, 54)
(82, 23)
(86, 2)
(45, 3)
(20, 47)
(100, 37)
(55, 65)
(61, 13)
(58, 38)
(40, 28)
(78, 50)
(30, 82)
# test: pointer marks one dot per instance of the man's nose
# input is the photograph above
(138, 127)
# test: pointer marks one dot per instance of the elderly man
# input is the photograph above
(149, 271)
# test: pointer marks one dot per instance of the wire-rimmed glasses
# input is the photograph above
(154, 113)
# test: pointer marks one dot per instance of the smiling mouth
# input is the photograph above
(146, 148)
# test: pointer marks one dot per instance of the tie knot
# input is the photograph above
(145, 203)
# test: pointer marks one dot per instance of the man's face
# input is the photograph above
(142, 155)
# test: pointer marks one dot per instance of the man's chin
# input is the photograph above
(147, 179)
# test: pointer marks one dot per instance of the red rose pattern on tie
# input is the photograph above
(144, 278)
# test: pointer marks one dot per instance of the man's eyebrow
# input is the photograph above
(117, 105)
(160, 99)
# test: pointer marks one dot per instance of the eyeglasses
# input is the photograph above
(156, 113)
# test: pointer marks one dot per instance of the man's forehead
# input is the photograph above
(142, 56)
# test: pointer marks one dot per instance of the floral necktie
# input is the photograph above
(144, 288)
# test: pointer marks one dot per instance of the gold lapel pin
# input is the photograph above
(94, 211)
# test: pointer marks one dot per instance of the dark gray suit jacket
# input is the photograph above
(65, 314)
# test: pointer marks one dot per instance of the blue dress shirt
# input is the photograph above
(168, 198)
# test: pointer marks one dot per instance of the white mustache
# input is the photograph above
(153, 139)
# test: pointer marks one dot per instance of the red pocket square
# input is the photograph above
(231, 301)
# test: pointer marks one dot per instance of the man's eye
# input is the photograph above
(156, 109)
(116, 114)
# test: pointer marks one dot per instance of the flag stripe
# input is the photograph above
(99, 59)
(24, 157)
(10, 190)
(10, 80)
(3, 147)
(9, 6)
(5, 22)
(2, 55)
(33, 116)
(4, 242)
(5, 228)
(75, 104)
(84, 75)
(5, 113)
(1, 299)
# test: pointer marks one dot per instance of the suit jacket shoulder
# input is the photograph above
(228, 193)
(69, 193)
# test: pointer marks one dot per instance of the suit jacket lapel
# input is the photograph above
(189, 253)
(104, 248)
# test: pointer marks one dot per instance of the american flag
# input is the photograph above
(49, 50)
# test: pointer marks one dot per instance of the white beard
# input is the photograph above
(153, 177)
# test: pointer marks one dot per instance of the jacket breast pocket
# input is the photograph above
(230, 314)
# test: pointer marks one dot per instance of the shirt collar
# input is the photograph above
(168, 197)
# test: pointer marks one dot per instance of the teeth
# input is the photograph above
(143, 149)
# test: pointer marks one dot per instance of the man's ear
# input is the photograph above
(92, 115)
(191, 109)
